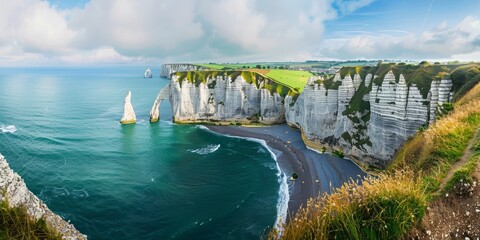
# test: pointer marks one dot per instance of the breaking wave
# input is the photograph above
(8, 128)
(283, 191)
(205, 150)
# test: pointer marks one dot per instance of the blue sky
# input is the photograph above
(91, 32)
(404, 15)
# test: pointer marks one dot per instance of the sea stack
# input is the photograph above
(148, 73)
(128, 113)
(155, 113)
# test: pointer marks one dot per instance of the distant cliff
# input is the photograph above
(166, 70)
(227, 97)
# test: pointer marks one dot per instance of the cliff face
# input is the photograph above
(366, 117)
(16, 191)
(362, 119)
(223, 99)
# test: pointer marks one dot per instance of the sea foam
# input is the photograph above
(283, 193)
(205, 150)
(8, 128)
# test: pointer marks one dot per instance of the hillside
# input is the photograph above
(431, 176)
(284, 85)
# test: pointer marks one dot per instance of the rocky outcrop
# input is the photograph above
(364, 120)
(223, 99)
(128, 112)
(148, 73)
(14, 190)
(154, 112)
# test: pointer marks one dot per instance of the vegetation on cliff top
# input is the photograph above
(289, 84)
(464, 76)
(15, 223)
(294, 79)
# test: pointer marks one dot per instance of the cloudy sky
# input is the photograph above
(92, 32)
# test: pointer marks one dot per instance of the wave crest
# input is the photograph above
(205, 150)
(8, 128)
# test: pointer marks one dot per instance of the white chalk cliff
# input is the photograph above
(388, 114)
(366, 121)
(13, 189)
(223, 99)
(128, 113)
(167, 70)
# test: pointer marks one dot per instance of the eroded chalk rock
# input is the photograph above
(128, 112)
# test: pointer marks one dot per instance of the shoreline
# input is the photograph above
(317, 173)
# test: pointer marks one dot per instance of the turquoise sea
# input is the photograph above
(59, 130)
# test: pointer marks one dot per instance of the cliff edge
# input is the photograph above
(18, 195)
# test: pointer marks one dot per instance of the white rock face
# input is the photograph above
(14, 189)
(128, 113)
(154, 112)
(226, 100)
(365, 121)
(148, 73)
(393, 112)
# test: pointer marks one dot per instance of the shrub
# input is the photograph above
(338, 153)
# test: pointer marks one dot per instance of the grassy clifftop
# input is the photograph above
(441, 159)
(282, 87)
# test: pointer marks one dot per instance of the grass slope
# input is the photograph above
(388, 206)
(251, 77)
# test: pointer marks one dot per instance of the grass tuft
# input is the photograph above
(15, 223)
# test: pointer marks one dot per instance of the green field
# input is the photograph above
(292, 78)
(295, 79)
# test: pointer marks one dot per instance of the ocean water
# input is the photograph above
(60, 132)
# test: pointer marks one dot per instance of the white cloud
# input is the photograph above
(35, 26)
(129, 31)
(443, 42)
(145, 28)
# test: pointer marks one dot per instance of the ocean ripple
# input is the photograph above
(205, 150)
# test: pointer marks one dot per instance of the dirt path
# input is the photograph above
(451, 216)
(463, 160)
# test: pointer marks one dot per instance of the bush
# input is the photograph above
(338, 153)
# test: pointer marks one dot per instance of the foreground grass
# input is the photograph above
(387, 207)
(15, 223)
(380, 208)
